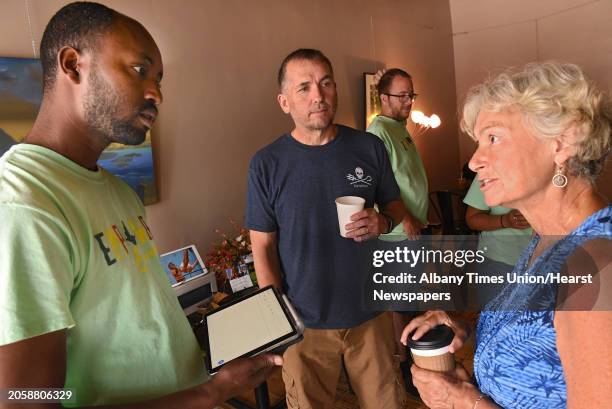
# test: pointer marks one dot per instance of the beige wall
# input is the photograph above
(492, 34)
(221, 59)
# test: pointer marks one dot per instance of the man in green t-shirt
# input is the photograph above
(84, 302)
(397, 95)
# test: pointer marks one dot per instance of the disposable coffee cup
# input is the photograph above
(431, 350)
(347, 206)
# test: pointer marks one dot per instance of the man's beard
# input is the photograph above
(320, 125)
(399, 115)
(324, 123)
(102, 105)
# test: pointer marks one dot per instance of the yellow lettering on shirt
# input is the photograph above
(115, 244)
(142, 254)
(139, 231)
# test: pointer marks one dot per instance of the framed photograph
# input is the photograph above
(371, 99)
(182, 265)
(20, 98)
(193, 284)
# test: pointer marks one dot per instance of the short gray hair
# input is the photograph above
(552, 97)
(308, 54)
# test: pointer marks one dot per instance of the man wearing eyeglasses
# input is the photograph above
(397, 95)
(396, 98)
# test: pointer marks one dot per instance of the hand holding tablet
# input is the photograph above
(260, 322)
(244, 374)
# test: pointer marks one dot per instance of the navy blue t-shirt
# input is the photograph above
(292, 189)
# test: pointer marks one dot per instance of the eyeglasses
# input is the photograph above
(405, 97)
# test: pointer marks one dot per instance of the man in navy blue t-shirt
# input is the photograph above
(297, 246)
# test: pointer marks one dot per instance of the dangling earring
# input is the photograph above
(559, 180)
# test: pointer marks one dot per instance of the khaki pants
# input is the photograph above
(312, 367)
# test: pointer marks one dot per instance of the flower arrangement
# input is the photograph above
(227, 254)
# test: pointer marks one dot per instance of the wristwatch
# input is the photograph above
(389, 224)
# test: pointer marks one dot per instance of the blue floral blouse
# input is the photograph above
(516, 362)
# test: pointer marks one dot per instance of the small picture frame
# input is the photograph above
(182, 265)
(193, 284)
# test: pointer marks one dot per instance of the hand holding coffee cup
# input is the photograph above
(366, 224)
(432, 350)
(450, 389)
(418, 326)
(347, 206)
(358, 223)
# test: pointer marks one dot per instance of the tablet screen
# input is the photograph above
(247, 326)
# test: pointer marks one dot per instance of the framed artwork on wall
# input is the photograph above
(20, 98)
(133, 164)
(372, 101)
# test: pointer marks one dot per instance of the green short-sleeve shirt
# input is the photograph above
(76, 253)
(407, 167)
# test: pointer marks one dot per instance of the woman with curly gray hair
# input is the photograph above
(543, 135)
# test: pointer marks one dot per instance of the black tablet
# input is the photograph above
(259, 322)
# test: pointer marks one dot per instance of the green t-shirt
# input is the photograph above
(503, 245)
(76, 254)
(407, 167)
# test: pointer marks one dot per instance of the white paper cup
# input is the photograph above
(348, 206)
